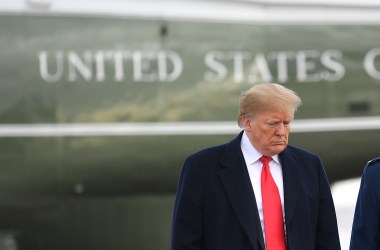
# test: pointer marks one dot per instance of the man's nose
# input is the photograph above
(281, 129)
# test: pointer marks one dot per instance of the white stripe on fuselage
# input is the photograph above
(177, 128)
(243, 11)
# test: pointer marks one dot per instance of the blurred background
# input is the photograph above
(101, 101)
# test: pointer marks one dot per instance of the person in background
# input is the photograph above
(256, 191)
(365, 233)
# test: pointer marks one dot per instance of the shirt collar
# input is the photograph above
(251, 155)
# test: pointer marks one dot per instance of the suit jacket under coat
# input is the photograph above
(215, 207)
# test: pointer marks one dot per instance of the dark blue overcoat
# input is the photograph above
(215, 207)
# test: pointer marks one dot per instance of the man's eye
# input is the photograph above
(274, 124)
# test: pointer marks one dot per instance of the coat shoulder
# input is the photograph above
(372, 168)
(209, 151)
(217, 150)
(300, 152)
(373, 162)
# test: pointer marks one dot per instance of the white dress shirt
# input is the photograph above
(254, 165)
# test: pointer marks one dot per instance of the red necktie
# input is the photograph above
(272, 209)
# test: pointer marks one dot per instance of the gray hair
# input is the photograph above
(266, 96)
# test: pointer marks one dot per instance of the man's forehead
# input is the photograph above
(275, 114)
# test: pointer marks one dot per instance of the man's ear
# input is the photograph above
(247, 123)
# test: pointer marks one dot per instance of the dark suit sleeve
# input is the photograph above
(365, 228)
(187, 216)
(327, 237)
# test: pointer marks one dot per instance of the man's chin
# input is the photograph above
(278, 149)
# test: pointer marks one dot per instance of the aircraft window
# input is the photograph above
(359, 107)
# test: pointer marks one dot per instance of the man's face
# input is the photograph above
(268, 131)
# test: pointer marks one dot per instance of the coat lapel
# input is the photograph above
(291, 171)
(235, 178)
